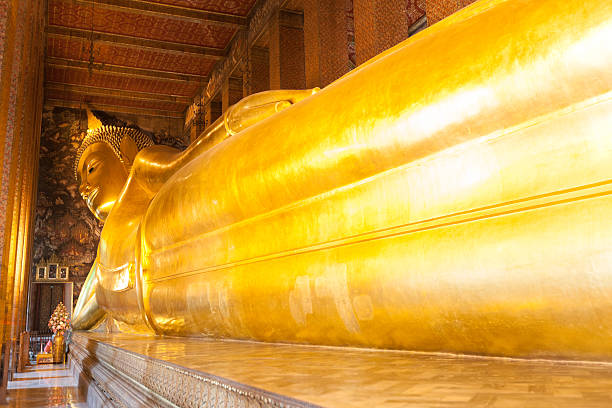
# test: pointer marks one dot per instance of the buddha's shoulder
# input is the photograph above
(153, 156)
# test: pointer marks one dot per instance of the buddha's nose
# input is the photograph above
(84, 190)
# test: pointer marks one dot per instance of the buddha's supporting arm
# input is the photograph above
(153, 166)
(87, 313)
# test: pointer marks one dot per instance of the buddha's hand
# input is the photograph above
(257, 107)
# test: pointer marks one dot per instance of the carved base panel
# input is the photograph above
(105, 385)
(115, 377)
(121, 370)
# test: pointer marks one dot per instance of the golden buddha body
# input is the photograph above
(451, 194)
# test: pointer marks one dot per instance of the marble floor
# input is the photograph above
(46, 385)
(336, 377)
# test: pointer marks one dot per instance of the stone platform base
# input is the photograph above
(139, 371)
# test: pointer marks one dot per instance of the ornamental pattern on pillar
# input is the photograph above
(260, 18)
(3, 17)
(10, 127)
(224, 68)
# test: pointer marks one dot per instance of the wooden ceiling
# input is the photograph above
(148, 57)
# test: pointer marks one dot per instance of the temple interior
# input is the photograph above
(306, 203)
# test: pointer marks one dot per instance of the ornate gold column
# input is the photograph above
(21, 58)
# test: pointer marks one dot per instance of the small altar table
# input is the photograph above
(44, 358)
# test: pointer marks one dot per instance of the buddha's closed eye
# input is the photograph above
(92, 166)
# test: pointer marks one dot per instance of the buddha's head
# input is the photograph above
(103, 163)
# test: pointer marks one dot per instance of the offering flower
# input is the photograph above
(59, 321)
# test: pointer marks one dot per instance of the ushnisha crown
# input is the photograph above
(112, 136)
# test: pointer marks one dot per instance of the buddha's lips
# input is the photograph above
(92, 196)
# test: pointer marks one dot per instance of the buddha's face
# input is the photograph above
(102, 177)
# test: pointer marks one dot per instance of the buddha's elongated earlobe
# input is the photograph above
(128, 150)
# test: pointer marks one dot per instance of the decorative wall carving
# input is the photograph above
(63, 226)
(261, 15)
(226, 66)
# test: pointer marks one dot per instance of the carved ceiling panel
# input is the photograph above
(161, 48)
(82, 16)
(235, 7)
(78, 76)
(114, 101)
(129, 56)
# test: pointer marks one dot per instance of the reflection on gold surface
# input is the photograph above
(461, 203)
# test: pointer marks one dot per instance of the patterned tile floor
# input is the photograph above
(336, 377)
(44, 386)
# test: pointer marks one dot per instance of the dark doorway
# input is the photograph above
(48, 296)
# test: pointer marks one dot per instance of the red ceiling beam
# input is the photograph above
(130, 95)
(115, 108)
(177, 12)
(129, 71)
(135, 41)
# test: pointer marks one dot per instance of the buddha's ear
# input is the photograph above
(129, 150)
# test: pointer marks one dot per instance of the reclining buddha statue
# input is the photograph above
(451, 194)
